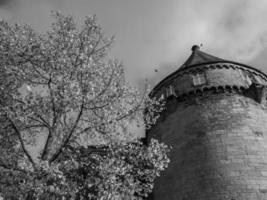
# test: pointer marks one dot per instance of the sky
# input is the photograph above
(158, 34)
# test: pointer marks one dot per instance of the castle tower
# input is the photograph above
(216, 122)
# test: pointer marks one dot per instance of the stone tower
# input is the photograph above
(216, 122)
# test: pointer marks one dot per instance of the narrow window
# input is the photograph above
(161, 98)
(247, 77)
(242, 75)
(257, 79)
(199, 79)
(170, 91)
(161, 95)
(254, 78)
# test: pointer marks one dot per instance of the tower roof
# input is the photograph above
(198, 57)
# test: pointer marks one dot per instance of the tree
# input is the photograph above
(62, 87)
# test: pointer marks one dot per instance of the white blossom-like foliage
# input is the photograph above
(62, 84)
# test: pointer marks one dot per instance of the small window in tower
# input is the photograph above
(257, 79)
(161, 98)
(246, 76)
(170, 91)
(248, 80)
(241, 74)
(254, 78)
(199, 79)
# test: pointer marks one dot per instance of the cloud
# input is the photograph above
(4, 2)
(234, 30)
(160, 36)
(239, 29)
(156, 34)
(8, 4)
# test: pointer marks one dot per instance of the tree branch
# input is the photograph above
(34, 126)
(133, 110)
(104, 46)
(33, 64)
(64, 143)
(7, 167)
(85, 129)
(54, 121)
(52, 102)
(21, 142)
(43, 120)
(49, 137)
(105, 88)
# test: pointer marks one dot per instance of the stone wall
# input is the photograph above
(219, 149)
(216, 75)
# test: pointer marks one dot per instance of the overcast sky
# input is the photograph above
(158, 34)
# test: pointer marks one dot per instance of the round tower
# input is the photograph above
(216, 122)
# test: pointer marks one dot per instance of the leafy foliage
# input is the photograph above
(61, 86)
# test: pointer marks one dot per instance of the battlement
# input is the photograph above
(215, 77)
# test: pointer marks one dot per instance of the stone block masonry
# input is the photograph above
(219, 150)
(216, 123)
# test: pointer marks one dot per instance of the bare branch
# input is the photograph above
(33, 64)
(48, 139)
(84, 130)
(135, 109)
(105, 88)
(43, 120)
(54, 121)
(96, 107)
(7, 167)
(40, 121)
(52, 102)
(34, 126)
(64, 143)
(94, 47)
(105, 46)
